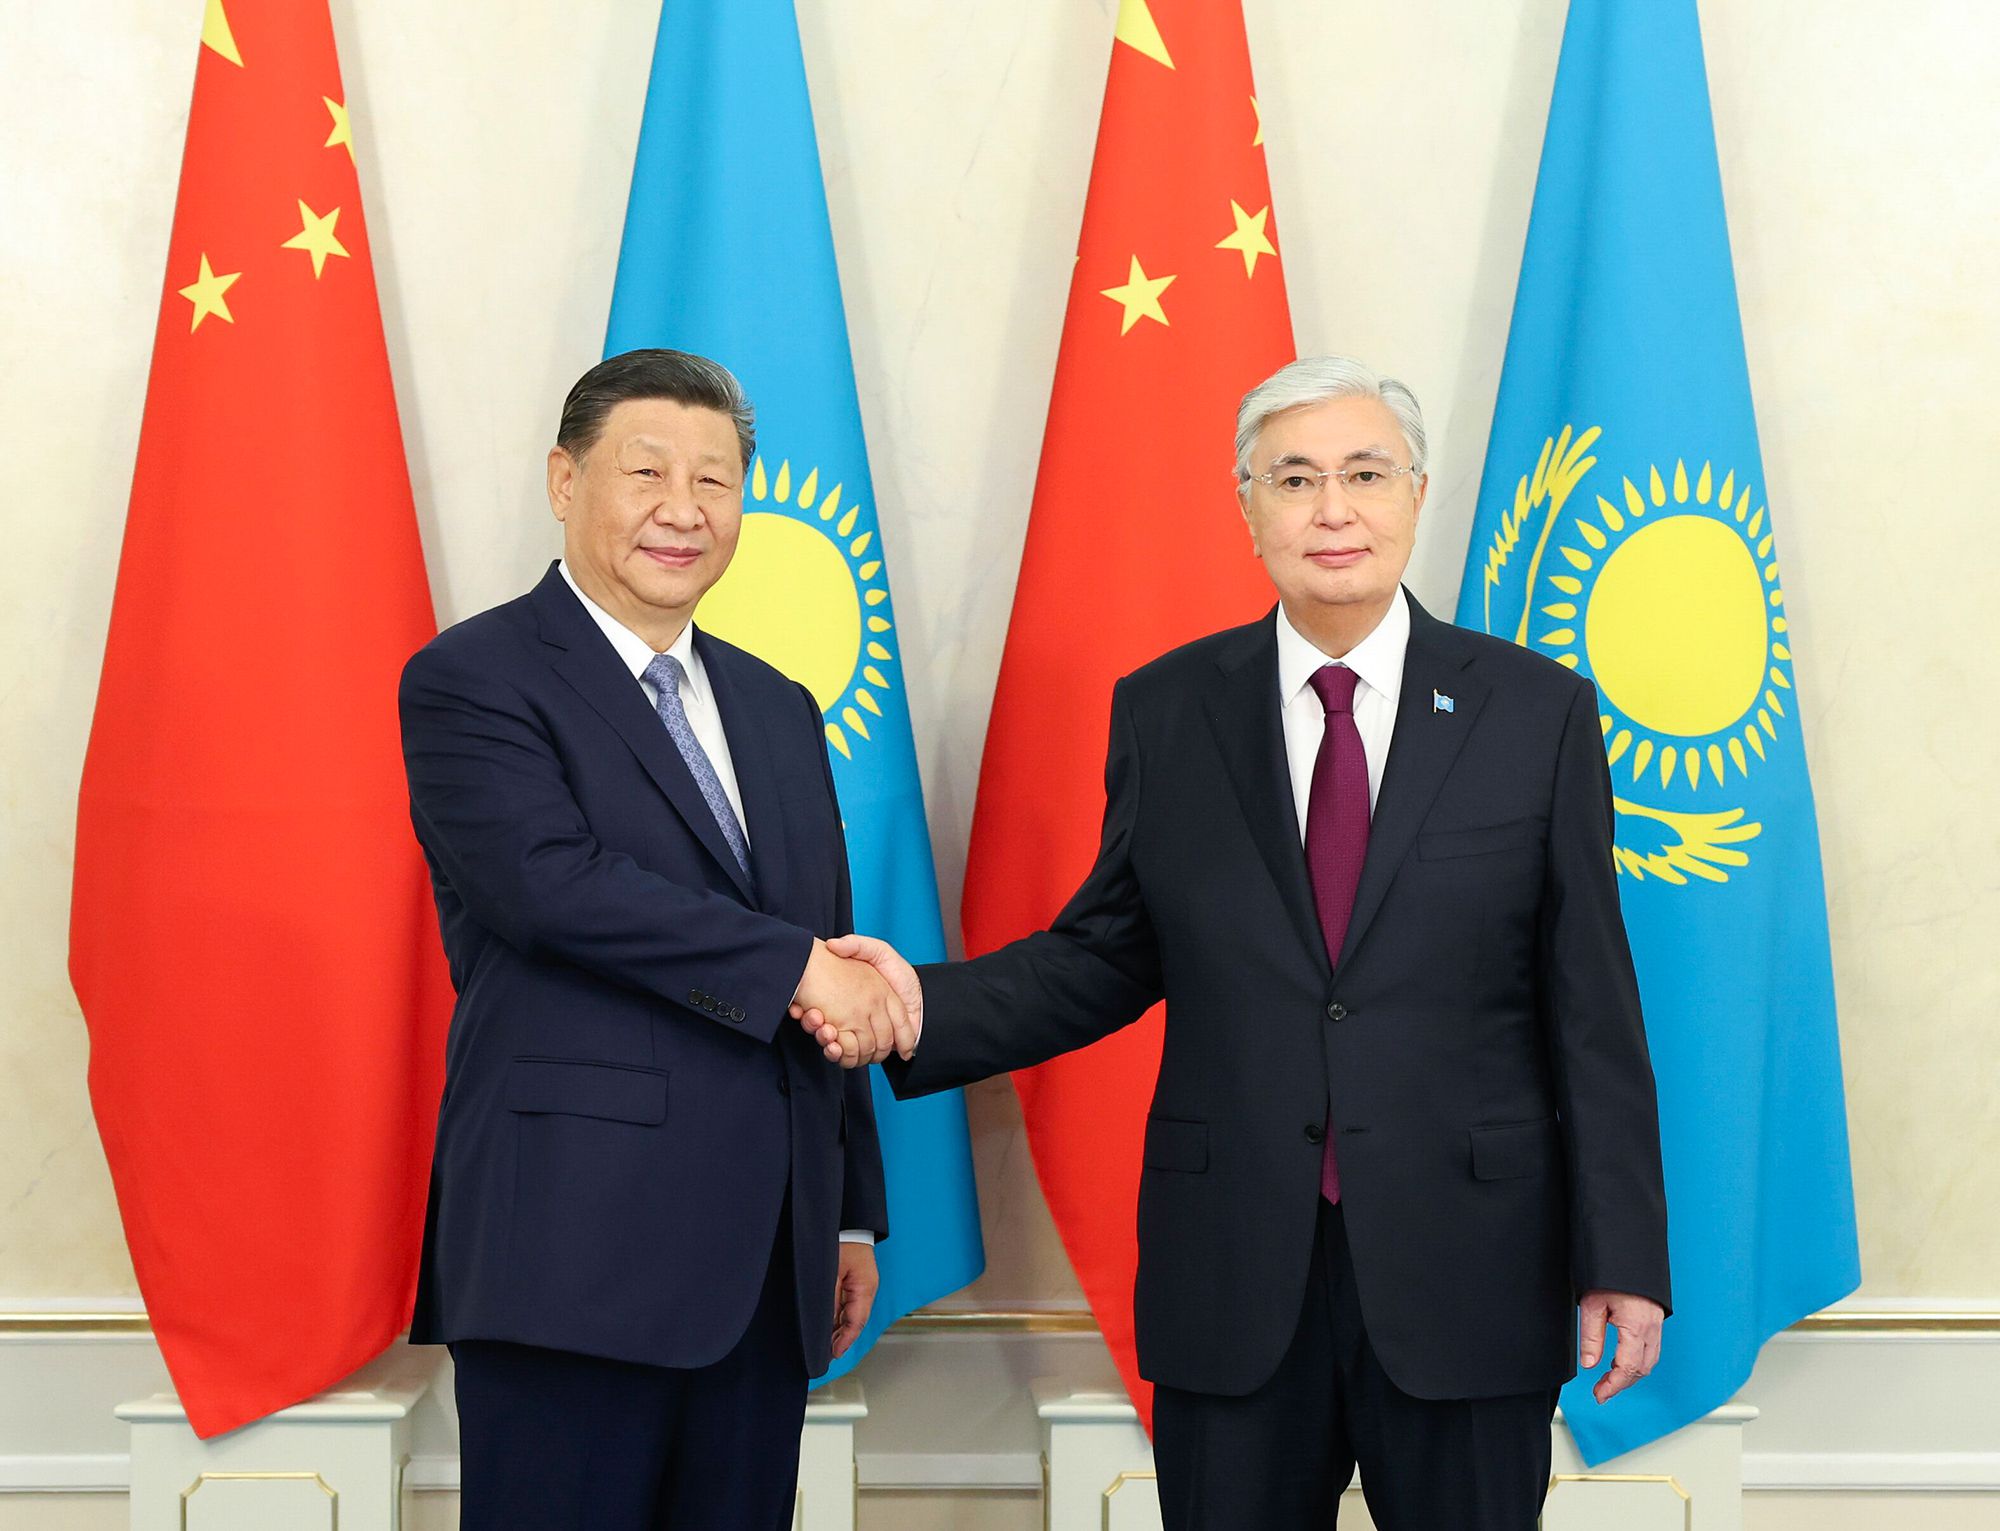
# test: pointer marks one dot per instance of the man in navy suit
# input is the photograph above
(653, 1204)
(1402, 1166)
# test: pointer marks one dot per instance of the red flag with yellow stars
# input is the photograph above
(252, 936)
(1135, 545)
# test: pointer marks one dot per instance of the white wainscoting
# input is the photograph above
(952, 1408)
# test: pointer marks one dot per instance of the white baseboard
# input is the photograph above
(950, 1410)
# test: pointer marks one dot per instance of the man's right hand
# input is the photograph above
(843, 1044)
(857, 1003)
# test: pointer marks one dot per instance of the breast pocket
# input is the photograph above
(1489, 840)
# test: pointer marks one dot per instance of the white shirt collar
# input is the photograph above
(1377, 659)
(635, 651)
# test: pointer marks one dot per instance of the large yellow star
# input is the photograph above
(205, 293)
(1249, 238)
(1254, 107)
(1140, 296)
(1137, 29)
(317, 238)
(216, 35)
(343, 130)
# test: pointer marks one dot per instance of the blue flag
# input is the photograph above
(728, 253)
(1624, 530)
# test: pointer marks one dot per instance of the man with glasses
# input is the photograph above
(1405, 1127)
(653, 1204)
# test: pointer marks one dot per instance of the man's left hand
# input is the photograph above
(853, 1293)
(1637, 1321)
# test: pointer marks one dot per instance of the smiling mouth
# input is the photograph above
(673, 558)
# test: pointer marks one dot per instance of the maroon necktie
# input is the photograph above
(1336, 836)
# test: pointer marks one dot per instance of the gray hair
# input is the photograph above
(653, 374)
(1314, 380)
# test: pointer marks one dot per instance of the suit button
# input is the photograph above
(734, 1017)
(736, 1014)
(695, 997)
(1336, 1011)
(784, 1085)
(1315, 1133)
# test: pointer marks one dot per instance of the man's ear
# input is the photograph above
(562, 482)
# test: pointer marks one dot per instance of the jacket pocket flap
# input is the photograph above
(1506, 1153)
(1172, 1145)
(610, 1091)
(1519, 834)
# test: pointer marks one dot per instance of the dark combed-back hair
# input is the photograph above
(653, 374)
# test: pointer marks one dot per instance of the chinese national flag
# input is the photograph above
(252, 937)
(1135, 545)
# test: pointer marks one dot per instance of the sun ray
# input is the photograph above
(1604, 722)
(1736, 754)
(1756, 741)
(1562, 611)
(1680, 482)
(1640, 757)
(846, 526)
(870, 569)
(1658, 488)
(1577, 559)
(1705, 485)
(1780, 625)
(874, 597)
(877, 651)
(759, 485)
(1728, 496)
(862, 696)
(1568, 584)
(1756, 521)
(1669, 758)
(854, 721)
(1771, 701)
(1764, 547)
(1692, 760)
(1715, 762)
(838, 740)
(1610, 512)
(1634, 501)
(1593, 536)
(1567, 661)
(860, 544)
(782, 493)
(1779, 651)
(1618, 747)
(1560, 635)
(875, 676)
(1778, 597)
(808, 490)
(1764, 722)
(879, 624)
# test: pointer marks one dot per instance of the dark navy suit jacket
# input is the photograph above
(626, 1102)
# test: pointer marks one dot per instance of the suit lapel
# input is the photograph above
(1421, 751)
(1242, 706)
(585, 659)
(753, 754)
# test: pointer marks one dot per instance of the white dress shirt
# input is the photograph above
(704, 717)
(1378, 661)
(697, 697)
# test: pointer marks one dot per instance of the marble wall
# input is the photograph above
(495, 147)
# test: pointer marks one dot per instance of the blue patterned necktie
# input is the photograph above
(666, 674)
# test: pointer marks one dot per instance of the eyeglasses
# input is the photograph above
(1298, 484)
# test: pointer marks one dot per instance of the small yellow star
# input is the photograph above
(205, 293)
(1260, 122)
(1249, 238)
(1140, 296)
(317, 238)
(343, 130)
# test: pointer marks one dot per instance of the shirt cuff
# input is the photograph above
(857, 1236)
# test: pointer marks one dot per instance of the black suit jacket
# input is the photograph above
(1477, 1047)
(626, 1102)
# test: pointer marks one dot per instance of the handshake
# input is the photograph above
(860, 1001)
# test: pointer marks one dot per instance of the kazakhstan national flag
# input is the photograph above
(1624, 530)
(728, 253)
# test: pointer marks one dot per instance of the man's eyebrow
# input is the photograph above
(1360, 454)
(652, 448)
(1294, 460)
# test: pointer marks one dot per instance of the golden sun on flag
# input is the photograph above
(1682, 620)
(804, 594)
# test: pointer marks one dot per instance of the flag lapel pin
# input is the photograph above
(1442, 703)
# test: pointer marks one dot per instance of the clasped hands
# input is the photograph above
(860, 1001)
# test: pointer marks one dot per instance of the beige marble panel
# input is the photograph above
(1403, 141)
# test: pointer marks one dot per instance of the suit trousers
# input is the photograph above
(1278, 1458)
(554, 1441)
